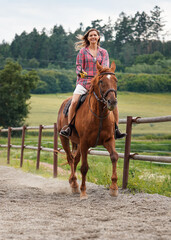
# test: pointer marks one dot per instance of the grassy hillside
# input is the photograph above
(44, 110)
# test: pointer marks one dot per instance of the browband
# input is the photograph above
(105, 73)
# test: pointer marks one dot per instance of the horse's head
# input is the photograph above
(104, 86)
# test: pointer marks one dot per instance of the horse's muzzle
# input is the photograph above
(111, 104)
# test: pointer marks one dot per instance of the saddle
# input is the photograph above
(80, 102)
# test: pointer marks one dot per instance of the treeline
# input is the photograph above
(125, 40)
(132, 41)
(57, 81)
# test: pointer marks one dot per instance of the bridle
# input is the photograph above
(103, 100)
(104, 95)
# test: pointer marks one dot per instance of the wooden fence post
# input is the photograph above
(55, 153)
(127, 152)
(39, 147)
(22, 146)
(9, 145)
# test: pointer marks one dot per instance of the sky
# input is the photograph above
(17, 16)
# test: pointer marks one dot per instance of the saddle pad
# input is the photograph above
(66, 108)
(80, 102)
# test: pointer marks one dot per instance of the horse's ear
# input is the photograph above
(99, 67)
(113, 66)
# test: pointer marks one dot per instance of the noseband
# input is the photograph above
(103, 96)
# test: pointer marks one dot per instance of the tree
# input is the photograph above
(65, 83)
(33, 63)
(15, 87)
(156, 22)
(96, 24)
(142, 24)
(124, 30)
(5, 49)
(108, 31)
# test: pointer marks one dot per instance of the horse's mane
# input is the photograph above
(95, 78)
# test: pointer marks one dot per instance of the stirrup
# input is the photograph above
(66, 133)
(119, 135)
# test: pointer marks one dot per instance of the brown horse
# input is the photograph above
(94, 125)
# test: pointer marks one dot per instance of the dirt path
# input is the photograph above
(32, 207)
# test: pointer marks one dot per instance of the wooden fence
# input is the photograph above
(127, 155)
(39, 148)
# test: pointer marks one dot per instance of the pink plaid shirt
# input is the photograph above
(88, 63)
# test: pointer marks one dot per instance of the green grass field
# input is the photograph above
(44, 109)
(154, 139)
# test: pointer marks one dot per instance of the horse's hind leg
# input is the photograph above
(77, 157)
(114, 158)
(73, 179)
(74, 147)
(76, 161)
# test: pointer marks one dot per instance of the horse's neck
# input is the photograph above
(96, 106)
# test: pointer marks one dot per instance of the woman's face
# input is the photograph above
(93, 37)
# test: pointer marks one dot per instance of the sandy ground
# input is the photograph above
(33, 207)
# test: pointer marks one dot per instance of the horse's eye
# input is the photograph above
(100, 82)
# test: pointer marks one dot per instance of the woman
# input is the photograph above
(90, 52)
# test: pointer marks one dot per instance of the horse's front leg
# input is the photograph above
(110, 146)
(84, 170)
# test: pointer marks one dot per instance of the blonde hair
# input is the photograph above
(84, 39)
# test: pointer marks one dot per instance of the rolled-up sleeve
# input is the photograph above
(79, 62)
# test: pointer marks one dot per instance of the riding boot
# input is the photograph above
(67, 132)
(71, 115)
(118, 134)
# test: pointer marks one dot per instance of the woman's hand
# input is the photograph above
(83, 74)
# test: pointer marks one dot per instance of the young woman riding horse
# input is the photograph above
(90, 53)
(94, 125)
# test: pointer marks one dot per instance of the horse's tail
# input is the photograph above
(59, 116)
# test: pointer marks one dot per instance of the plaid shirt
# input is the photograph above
(88, 63)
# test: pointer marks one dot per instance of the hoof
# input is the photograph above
(83, 196)
(113, 193)
(75, 190)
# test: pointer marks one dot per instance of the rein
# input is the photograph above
(101, 118)
(98, 117)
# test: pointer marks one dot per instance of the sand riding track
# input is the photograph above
(33, 207)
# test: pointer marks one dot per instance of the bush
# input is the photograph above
(144, 68)
(55, 81)
(144, 82)
(149, 58)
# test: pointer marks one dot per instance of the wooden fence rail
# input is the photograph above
(39, 148)
(136, 156)
(127, 155)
